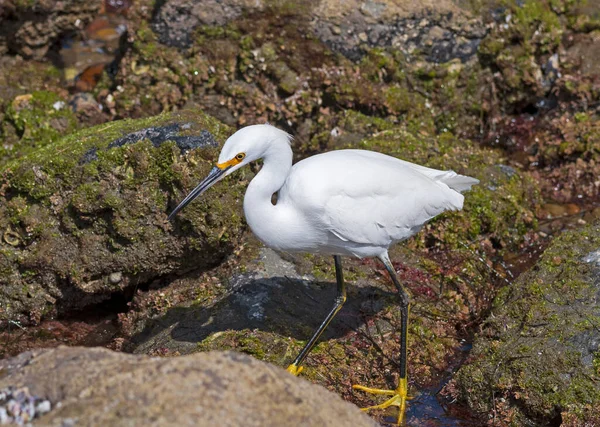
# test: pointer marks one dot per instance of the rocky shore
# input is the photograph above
(111, 111)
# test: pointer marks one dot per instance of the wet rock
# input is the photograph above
(117, 6)
(31, 28)
(440, 32)
(537, 357)
(169, 133)
(95, 202)
(157, 136)
(88, 78)
(175, 20)
(97, 386)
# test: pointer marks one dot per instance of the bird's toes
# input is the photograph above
(294, 369)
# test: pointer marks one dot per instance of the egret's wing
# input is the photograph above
(382, 218)
(368, 198)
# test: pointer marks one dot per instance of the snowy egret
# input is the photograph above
(342, 203)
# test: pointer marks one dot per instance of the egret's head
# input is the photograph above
(246, 145)
(249, 144)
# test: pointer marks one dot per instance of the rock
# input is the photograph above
(440, 30)
(175, 20)
(537, 57)
(269, 295)
(101, 387)
(115, 278)
(21, 77)
(86, 109)
(94, 203)
(342, 27)
(583, 56)
(246, 62)
(536, 359)
(18, 406)
(31, 28)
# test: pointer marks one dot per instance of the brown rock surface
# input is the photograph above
(442, 28)
(30, 28)
(100, 387)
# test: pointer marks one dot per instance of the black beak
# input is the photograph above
(213, 177)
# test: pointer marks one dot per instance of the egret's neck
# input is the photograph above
(262, 216)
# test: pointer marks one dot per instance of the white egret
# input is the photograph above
(342, 203)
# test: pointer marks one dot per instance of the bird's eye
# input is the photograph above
(240, 156)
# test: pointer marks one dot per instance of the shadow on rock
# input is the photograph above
(281, 305)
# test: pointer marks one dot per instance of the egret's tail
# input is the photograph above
(460, 183)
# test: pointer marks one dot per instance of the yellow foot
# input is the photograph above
(399, 398)
(294, 369)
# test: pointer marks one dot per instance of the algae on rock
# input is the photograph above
(80, 212)
(537, 359)
(38, 118)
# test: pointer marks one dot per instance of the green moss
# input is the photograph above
(262, 345)
(540, 329)
(39, 119)
(146, 42)
(536, 21)
(399, 99)
(519, 47)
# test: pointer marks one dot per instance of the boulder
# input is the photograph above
(536, 360)
(84, 217)
(444, 29)
(249, 61)
(100, 387)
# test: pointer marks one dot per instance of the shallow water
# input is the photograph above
(428, 410)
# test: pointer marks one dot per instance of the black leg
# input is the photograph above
(404, 308)
(340, 299)
(400, 395)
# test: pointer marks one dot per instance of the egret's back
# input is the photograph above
(367, 200)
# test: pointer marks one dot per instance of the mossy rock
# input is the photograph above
(525, 48)
(85, 216)
(38, 118)
(537, 360)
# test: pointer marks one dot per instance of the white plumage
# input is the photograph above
(365, 201)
